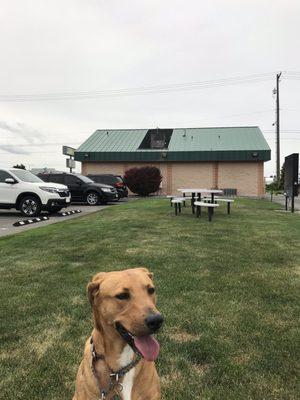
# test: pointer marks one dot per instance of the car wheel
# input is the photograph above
(92, 198)
(54, 210)
(30, 206)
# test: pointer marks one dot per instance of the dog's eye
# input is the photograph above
(123, 296)
(151, 290)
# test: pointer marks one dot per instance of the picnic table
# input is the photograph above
(199, 192)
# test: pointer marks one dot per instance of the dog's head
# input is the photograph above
(126, 301)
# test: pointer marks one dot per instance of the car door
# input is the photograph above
(8, 192)
(75, 186)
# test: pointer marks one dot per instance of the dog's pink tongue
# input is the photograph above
(147, 346)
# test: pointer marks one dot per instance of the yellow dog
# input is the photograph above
(118, 361)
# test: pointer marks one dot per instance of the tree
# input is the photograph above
(277, 185)
(19, 166)
(143, 181)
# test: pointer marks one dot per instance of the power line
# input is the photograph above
(291, 73)
(291, 109)
(246, 113)
(36, 144)
(28, 154)
(77, 143)
(283, 130)
(145, 90)
(10, 135)
(287, 138)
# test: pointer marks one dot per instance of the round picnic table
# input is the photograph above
(199, 192)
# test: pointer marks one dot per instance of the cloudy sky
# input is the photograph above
(65, 65)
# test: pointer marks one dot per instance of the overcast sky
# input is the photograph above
(71, 46)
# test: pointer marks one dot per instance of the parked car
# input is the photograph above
(83, 188)
(22, 190)
(113, 180)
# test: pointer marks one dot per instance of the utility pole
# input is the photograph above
(277, 128)
(70, 163)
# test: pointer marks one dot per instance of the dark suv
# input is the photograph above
(83, 188)
(113, 180)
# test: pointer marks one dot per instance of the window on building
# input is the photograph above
(156, 139)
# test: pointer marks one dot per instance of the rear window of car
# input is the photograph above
(52, 178)
(109, 179)
(99, 178)
(72, 180)
(43, 177)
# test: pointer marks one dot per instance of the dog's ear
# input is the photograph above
(94, 286)
(92, 290)
(150, 274)
(99, 276)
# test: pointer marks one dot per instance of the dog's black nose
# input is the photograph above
(154, 322)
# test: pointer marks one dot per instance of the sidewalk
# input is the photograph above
(280, 199)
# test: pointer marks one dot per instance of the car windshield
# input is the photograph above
(84, 178)
(25, 176)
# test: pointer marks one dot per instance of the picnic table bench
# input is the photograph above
(220, 200)
(210, 207)
(177, 203)
(174, 196)
(228, 201)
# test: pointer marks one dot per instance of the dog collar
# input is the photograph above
(115, 376)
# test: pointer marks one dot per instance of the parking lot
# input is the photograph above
(9, 217)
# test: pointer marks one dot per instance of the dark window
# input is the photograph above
(156, 139)
(100, 178)
(72, 180)
(4, 175)
(112, 179)
(104, 179)
(83, 178)
(44, 177)
(108, 179)
(55, 178)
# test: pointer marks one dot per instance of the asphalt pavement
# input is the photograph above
(9, 217)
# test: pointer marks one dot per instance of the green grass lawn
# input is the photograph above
(229, 291)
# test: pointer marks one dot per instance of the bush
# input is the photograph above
(277, 186)
(19, 166)
(144, 180)
(274, 187)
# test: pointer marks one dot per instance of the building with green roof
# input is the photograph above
(219, 157)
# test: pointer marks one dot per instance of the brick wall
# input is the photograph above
(246, 177)
(189, 175)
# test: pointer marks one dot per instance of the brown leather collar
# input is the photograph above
(114, 381)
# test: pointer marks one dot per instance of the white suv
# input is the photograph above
(26, 192)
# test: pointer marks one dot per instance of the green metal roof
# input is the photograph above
(190, 144)
(113, 140)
